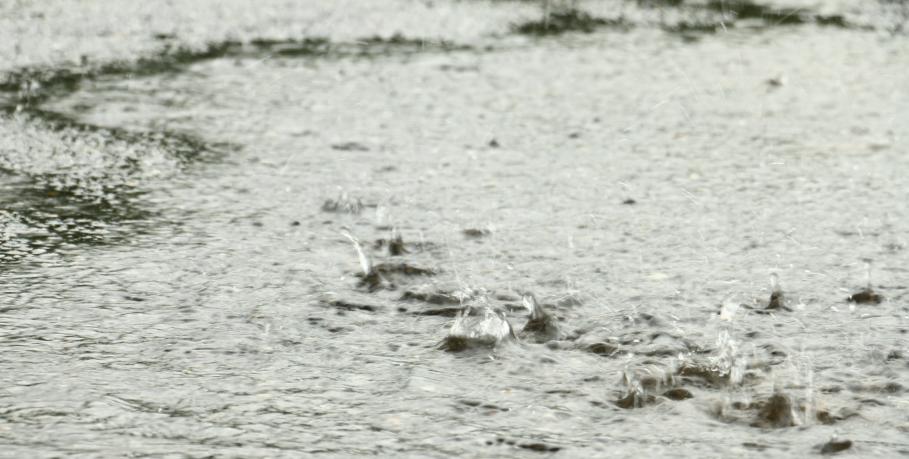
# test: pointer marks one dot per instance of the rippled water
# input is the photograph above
(176, 281)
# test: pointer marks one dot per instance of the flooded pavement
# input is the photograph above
(456, 229)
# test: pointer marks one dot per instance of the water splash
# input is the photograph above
(478, 325)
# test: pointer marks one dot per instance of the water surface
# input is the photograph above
(173, 285)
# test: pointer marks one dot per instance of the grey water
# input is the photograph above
(175, 279)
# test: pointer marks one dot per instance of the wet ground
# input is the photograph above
(180, 186)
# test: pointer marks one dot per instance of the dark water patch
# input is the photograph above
(366, 47)
(438, 298)
(483, 405)
(441, 312)
(871, 402)
(716, 373)
(707, 374)
(381, 276)
(777, 355)
(889, 387)
(349, 146)
(744, 10)
(387, 276)
(539, 447)
(457, 343)
(81, 138)
(692, 30)
(602, 348)
(648, 385)
(32, 415)
(755, 446)
(678, 394)
(535, 446)
(35, 85)
(65, 216)
(477, 232)
(777, 299)
(659, 3)
(779, 410)
(835, 445)
(641, 342)
(65, 182)
(568, 20)
(403, 269)
(344, 203)
(775, 412)
(638, 398)
(866, 296)
(830, 416)
(773, 15)
(635, 399)
(395, 245)
(541, 325)
(350, 306)
(699, 19)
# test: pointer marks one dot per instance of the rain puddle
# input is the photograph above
(667, 226)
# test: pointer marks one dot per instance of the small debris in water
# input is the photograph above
(629, 202)
(494, 143)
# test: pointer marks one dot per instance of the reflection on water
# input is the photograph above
(178, 277)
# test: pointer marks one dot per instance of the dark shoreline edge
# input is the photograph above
(34, 85)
